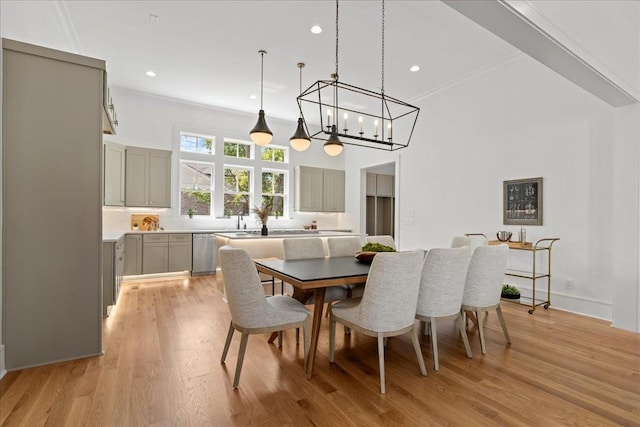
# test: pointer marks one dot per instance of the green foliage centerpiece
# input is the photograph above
(370, 250)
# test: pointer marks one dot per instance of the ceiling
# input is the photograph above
(207, 51)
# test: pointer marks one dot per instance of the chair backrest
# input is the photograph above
(485, 276)
(302, 248)
(442, 283)
(343, 246)
(383, 240)
(471, 241)
(391, 292)
(243, 290)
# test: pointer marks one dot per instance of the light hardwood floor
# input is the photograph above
(162, 366)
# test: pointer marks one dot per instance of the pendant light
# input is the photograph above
(300, 141)
(261, 134)
(333, 146)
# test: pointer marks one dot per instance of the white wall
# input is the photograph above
(518, 120)
(152, 122)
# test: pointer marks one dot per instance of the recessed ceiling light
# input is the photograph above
(316, 29)
(151, 73)
(252, 97)
(414, 68)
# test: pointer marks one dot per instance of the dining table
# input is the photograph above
(312, 276)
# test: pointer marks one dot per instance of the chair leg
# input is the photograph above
(297, 336)
(381, 361)
(243, 347)
(504, 325)
(481, 334)
(416, 347)
(227, 343)
(328, 309)
(434, 343)
(332, 338)
(280, 339)
(463, 334)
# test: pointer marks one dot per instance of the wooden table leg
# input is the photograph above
(318, 296)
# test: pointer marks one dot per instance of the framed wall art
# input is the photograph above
(522, 201)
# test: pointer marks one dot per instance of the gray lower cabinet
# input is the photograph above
(108, 276)
(155, 253)
(132, 254)
(162, 253)
(180, 253)
(112, 272)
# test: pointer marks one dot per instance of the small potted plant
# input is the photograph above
(263, 213)
(190, 212)
(510, 292)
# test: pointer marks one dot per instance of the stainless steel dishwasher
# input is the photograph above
(204, 253)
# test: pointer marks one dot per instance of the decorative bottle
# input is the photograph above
(523, 235)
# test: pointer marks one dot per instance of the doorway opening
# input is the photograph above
(380, 199)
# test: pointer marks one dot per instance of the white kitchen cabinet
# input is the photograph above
(132, 254)
(52, 106)
(147, 177)
(371, 184)
(114, 174)
(180, 253)
(319, 190)
(309, 184)
(333, 191)
(384, 185)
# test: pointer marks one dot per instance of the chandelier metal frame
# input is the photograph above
(391, 114)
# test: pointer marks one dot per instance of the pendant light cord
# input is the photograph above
(382, 88)
(262, 52)
(336, 40)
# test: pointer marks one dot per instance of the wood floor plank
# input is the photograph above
(161, 366)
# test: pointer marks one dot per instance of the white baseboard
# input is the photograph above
(3, 370)
(574, 304)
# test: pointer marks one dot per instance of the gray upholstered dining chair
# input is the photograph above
(471, 241)
(483, 285)
(387, 307)
(441, 289)
(383, 240)
(343, 246)
(346, 246)
(251, 311)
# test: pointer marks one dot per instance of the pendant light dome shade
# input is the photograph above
(300, 141)
(333, 146)
(261, 134)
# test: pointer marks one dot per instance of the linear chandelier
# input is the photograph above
(354, 115)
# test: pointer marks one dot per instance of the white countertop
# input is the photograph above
(283, 234)
(238, 234)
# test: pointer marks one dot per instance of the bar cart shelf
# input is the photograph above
(534, 275)
(542, 245)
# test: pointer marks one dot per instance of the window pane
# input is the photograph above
(273, 154)
(195, 188)
(199, 201)
(237, 184)
(278, 183)
(237, 149)
(196, 144)
(267, 182)
(195, 176)
(277, 203)
(235, 204)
